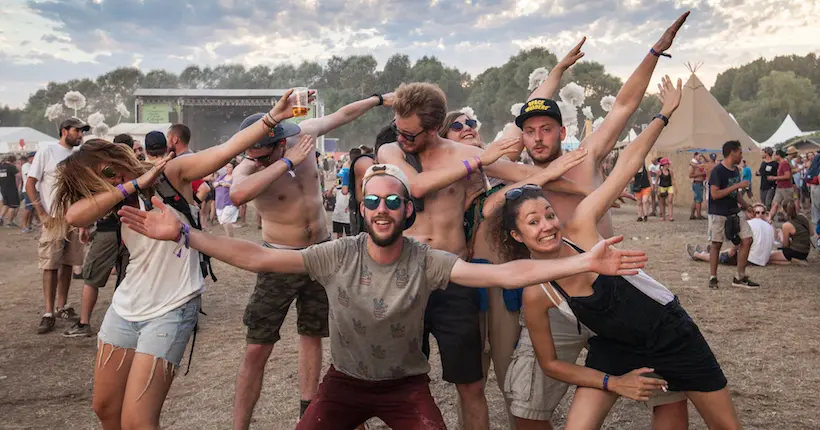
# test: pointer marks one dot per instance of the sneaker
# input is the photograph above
(745, 282)
(76, 276)
(713, 283)
(46, 325)
(28, 230)
(690, 249)
(67, 314)
(78, 330)
(640, 219)
(645, 218)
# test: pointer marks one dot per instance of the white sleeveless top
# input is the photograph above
(156, 280)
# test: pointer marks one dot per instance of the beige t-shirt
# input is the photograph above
(377, 311)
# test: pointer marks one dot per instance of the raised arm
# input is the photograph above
(248, 183)
(602, 258)
(602, 140)
(321, 126)
(205, 162)
(513, 172)
(631, 385)
(547, 88)
(592, 208)
(162, 224)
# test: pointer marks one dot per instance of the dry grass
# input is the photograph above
(767, 342)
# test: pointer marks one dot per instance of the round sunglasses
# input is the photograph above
(372, 201)
(457, 125)
(515, 193)
(109, 172)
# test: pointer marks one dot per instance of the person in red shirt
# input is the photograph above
(785, 191)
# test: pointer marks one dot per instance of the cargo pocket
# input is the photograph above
(518, 385)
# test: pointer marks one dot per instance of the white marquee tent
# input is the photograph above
(10, 138)
(787, 130)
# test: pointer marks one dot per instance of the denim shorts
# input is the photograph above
(162, 337)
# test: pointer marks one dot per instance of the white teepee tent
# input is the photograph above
(787, 130)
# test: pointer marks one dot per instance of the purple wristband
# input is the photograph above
(658, 54)
(122, 190)
(606, 382)
(469, 169)
(186, 231)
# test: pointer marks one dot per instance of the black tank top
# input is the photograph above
(666, 180)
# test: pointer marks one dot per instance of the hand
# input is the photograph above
(669, 95)
(637, 387)
(389, 99)
(159, 225)
(624, 196)
(148, 178)
(606, 260)
(665, 42)
(499, 149)
(565, 162)
(572, 56)
(283, 109)
(84, 236)
(301, 150)
(743, 184)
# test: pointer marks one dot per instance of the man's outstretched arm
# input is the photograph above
(602, 141)
(324, 125)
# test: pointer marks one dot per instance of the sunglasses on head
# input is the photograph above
(457, 125)
(109, 172)
(515, 193)
(409, 137)
(372, 201)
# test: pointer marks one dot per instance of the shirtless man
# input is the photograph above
(452, 315)
(542, 126)
(287, 195)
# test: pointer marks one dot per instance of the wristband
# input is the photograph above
(663, 118)
(184, 239)
(606, 382)
(290, 166)
(122, 190)
(136, 186)
(469, 169)
(658, 54)
(478, 162)
(381, 99)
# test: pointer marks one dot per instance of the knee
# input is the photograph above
(257, 355)
(105, 408)
(471, 392)
(310, 341)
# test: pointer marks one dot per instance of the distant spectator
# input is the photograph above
(746, 175)
(768, 169)
(697, 173)
(796, 234)
(785, 188)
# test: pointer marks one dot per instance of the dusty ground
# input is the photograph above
(767, 342)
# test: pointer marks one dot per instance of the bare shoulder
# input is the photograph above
(535, 298)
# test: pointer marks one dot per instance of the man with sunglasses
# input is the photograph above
(760, 254)
(441, 173)
(59, 255)
(287, 194)
(378, 283)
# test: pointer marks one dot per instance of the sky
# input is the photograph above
(43, 40)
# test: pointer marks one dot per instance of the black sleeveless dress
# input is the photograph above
(633, 330)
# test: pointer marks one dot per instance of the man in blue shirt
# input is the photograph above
(746, 175)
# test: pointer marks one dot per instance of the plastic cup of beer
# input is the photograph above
(300, 105)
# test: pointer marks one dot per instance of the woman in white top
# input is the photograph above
(154, 310)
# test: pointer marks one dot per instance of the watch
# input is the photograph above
(663, 118)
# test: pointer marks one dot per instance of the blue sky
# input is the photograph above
(59, 40)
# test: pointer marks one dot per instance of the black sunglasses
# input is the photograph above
(407, 136)
(263, 159)
(109, 172)
(515, 193)
(372, 201)
(457, 125)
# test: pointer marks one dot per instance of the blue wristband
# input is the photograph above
(606, 382)
(136, 186)
(658, 54)
(288, 162)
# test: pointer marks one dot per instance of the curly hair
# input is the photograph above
(78, 178)
(503, 223)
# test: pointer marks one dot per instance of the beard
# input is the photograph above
(388, 240)
(541, 159)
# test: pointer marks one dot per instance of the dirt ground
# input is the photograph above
(766, 341)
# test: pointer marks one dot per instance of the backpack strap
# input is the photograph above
(356, 223)
(415, 161)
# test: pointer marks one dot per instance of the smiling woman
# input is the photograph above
(460, 127)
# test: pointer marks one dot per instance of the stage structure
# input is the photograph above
(212, 115)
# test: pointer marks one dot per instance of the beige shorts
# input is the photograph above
(717, 228)
(55, 253)
(783, 195)
(535, 395)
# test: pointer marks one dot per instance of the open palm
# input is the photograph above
(607, 260)
(161, 224)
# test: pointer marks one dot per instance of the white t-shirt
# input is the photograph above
(44, 169)
(341, 213)
(762, 241)
(654, 169)
(24, 169)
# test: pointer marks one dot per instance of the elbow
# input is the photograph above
(238, 197)
(550, 367)
(417, 191)
(75, 218)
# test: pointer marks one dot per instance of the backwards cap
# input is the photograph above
(394, 171)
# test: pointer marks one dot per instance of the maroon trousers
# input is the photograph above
(344, 402)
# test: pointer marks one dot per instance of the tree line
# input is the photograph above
(757, 93)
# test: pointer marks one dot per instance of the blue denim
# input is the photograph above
(164, 337)
(513, 299)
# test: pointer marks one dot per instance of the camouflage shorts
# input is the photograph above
(271, 299)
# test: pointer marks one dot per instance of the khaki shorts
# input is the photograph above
(102, 257)
(535, 395)
(717, 228)
(783, 195)
(60, 252)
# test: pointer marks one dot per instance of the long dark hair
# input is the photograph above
(503, 223)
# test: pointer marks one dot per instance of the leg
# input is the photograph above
(674, 416)
(149, 380)
(714, 258)
(249, 384)
(228, 229)
(524, 424)
(50, 289)
(110, 376)
(63, 284)
(778, 258)
(340, 403)
(589, 408)
(663, 208)
(716, 408)
(504, 333)
(743, 256)
(410, 406)
(89, 301)
(474, 410)
(310, 366)
(311, 325)
(669, 204)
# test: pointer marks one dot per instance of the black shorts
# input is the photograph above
(790, 253)
(452, 316)
(11, 198)
(340, 227)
